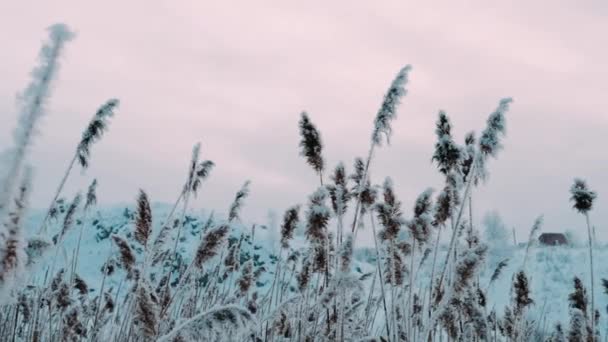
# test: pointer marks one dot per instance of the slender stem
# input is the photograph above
(457, 222)
(170, 216)
(50, 322)
(274, 280)
(411, 289)
(179, 286)
(77, 252)
(362, 185)
(15, 323)
(393, 290)
(181, 220)
(370, 298)
(471, 211)
(592, 275)
(185, 193)
(433, 269)
(337, 267)
(388, 330)
(57, 193)
(103, 281)
(285, 284)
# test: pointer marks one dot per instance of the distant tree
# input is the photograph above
(495, 230)
(573, 238)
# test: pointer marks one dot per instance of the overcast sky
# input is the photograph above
(236, 75)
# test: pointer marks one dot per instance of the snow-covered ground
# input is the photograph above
(550, 269)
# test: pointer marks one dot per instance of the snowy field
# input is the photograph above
(550, 269)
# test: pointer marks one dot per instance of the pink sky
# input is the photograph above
(236, 75)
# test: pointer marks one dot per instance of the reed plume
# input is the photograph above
(420, 225)
(363, 190)
(73, 328)
(246, 279)
(558, 334)
(389, 213)
(197, 172)
(474, 320)
(446, 202)
(232, 260)
(126, 255)
(582, 196)
(317, 216)
(91, 198)
(143, 221)
(94, 131)
(498, 270)
(388, 108)
(12, 252)
(303, 277)
(346, 254)
(163, 235)
(358, 174)
(468, 266)
(236, 205)
(196, 151)
(605, 285)
(36, 246)
(578, 299)
(210, 245)
(447, 153)
(61, 295)
(338, 191)
(311, 144)
(70, 217)
(80, 285)
(202, 172)
(32, 101)
(577, 331)
(468, 155)
(394, 267)
(146, 313)
(521, 293)
(489, 143)
(282, 325)
(317, 220)
(290, 223)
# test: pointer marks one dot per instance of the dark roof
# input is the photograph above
(552, 239)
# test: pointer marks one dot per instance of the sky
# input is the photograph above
(236, 76)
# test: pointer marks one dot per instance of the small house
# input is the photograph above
(552, 239)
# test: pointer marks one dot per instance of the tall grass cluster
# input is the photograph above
(210, 293)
